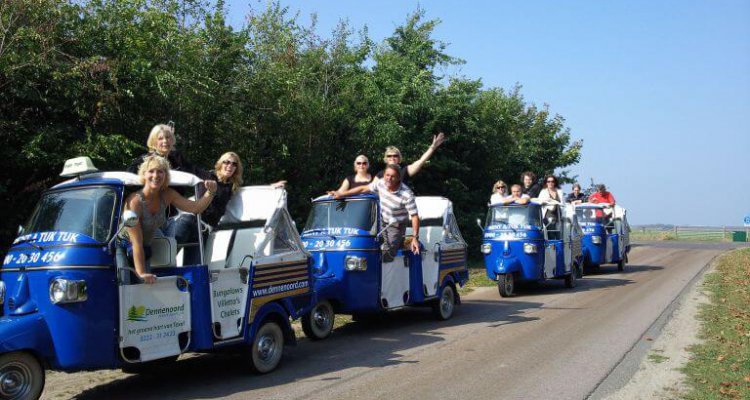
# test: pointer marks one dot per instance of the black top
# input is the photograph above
(532, 191)
(218, 206)
(404, 175)
(353, 183)
(177, 162)
(571, 197)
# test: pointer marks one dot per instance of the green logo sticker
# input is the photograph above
(137, 314)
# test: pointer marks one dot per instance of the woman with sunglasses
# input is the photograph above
(393, 156)
(361, 176)
(551, 192)
(499, 192)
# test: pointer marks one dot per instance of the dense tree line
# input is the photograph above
(91, 77)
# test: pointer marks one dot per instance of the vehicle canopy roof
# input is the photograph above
(176, 179)
(254, 203)
(430, 207)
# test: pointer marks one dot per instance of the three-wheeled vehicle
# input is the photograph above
(606, 234)
(351, 277)
(70, 303)
(530, 242)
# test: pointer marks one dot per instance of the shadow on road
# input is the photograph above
(358, 345)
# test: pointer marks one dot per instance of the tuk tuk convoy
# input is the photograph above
(70, 303)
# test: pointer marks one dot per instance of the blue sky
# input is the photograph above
(658, 91)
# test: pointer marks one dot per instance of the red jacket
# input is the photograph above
(602, 198)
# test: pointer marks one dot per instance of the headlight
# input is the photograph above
(67, 291)
(355, 263)
(596, 239)
(2, 292)
(486, 248)
(529, 248)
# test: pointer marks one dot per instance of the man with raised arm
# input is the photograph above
(397, 207)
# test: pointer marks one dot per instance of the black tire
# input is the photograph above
(571, 278)
(506, 285)
(621, 265)
(267, 348)
(318, 323)
(21, 376)
(446, 304)
(150, 367)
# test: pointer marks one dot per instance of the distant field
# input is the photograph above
(690, 233)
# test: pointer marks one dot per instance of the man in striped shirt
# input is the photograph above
(397, 207)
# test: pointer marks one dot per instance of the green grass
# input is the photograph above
(657, 358)
(477, 278)
(691, 236)
(720, 366)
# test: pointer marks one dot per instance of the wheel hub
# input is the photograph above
(14, 381)
(266, 347)
(321, 318)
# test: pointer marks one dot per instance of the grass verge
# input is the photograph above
(720, 366)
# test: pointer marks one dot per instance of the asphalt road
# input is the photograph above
(548, 342)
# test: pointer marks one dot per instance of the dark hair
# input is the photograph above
(575, 185)
(557, 184)
(396, 168)
(530, 175)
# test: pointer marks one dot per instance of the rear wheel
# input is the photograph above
(21, 376)
(318, 324)
(571, 278)
(506, 285)
(446, 303)
(268, 347)
(621, 265)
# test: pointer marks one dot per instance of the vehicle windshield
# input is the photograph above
(514, 217)
(355, 213)
(88, 211)
(590, 215)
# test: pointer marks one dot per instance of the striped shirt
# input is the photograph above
(398, 205)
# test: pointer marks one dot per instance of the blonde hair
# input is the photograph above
(391, 149)
(498, 183)
(237, 176)
(358, 157)
(167, 130)
(160, 162)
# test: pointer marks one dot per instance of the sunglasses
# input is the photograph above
(392, 155)
(551, 181)
(227, 162)
(499, 187)
(361, 162)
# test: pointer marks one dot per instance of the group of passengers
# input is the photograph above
(397, 202)
(153, 201)
(522, 194)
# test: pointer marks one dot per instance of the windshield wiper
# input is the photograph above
(28, 241)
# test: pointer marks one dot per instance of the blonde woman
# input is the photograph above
(150, 203)
(392, 155)
(361, 176)
(499, 192)
(161, 141)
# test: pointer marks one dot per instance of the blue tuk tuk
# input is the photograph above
(530, 242)
(606, 234)
(350, 276)
(69, 303)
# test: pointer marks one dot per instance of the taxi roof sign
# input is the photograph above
(78, 166)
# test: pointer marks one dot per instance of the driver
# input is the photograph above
(397, 207)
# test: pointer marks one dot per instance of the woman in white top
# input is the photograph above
(499, 192)
(551, 191)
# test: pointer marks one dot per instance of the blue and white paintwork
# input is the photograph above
(88, 333)
(364, 284)
(606, 234)
(519, 245)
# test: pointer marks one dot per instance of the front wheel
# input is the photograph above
(506, 285)
(446, 304)
(318, 323)
(621, 265)
(21, 376)
(268, 347)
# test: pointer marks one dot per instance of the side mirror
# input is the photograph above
(129, 218)
(479, 224)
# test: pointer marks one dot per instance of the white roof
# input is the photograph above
(253, 203)
(176, 178)
(433, 206)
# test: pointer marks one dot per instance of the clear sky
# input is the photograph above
(658, 91)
